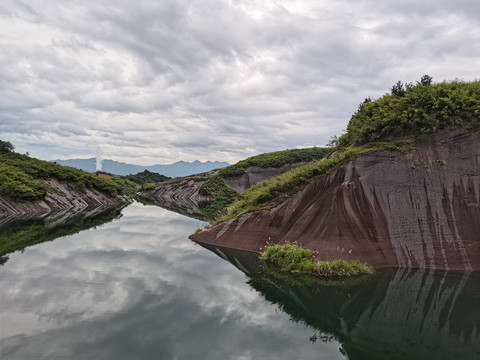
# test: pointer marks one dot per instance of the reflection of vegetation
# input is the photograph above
(269, 272)
(275, 159)
(20, 175)
(146, 177)
(293, 258)
(393, 314)
(21, 234)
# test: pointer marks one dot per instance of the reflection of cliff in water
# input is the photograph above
(17, 235)
(397, 314)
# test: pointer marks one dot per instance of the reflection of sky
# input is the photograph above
(138, 288)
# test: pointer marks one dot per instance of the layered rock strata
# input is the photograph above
(420, 209)
(68, 200)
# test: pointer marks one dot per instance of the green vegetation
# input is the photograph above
(290, 257)
(145, 177)
(293, 258)
(20, 177)
(415, 111)
(223, 195)
(6, 146)
(275, 159)
(19, 235)
(281, 186)
(147, 187)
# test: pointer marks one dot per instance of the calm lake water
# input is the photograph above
(138, 288)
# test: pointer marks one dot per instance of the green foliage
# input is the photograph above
(6, 146)
(148, 187)
(146, 177)
(275, 159)
(217, 188)
(415, 111)
(293, 258)
(343, 268)
(278, 187)
(19, 185)
(20, 178)
(290, 257)
(19, 235)
(222, 195)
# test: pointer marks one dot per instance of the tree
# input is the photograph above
(333, 142)
(426, 80)
(398, 89)
(6, 146)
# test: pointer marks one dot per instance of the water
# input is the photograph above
(138, 288)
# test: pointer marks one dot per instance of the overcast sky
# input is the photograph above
(152, 81)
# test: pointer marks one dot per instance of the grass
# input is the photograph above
(294, 259)
(417, 110)
(282, 185)
(21, 175)
(275, 159)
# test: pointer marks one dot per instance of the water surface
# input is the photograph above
(138, 288)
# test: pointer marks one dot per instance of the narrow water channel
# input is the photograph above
(138, 288)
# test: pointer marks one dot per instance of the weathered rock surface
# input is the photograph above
(419, 210)
(181, 194)
(67, 202)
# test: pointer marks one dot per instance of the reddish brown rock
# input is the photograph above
(66, 202)
(419, 210)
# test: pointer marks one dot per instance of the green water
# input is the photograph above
(138, 288)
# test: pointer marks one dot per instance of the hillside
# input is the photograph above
(145, 177)
(206, 195)
(178, 169)
(411, 200)
(29, 186)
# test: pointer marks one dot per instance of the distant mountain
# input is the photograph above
(180, 168)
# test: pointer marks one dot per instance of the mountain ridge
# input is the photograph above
(176, 169)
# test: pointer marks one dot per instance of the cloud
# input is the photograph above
(175, 80)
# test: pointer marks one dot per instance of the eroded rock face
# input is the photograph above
(181, 194)
(419, 210)
(68, 202)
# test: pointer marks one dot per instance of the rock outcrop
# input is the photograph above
(419, 209)
(181, 194)
(66, 201)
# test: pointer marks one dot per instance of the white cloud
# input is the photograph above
(214, 80)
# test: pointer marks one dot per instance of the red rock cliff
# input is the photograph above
(420, 209)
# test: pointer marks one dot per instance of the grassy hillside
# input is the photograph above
(216, 187)
(20, 178)
(408, 112)
(414, 111)
(146, 177)
(275, 159)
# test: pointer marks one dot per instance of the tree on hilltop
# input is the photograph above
(6, 146)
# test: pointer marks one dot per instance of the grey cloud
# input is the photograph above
(247, 70)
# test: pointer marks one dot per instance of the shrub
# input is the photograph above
(293, 258)
(290, 257)
(148, 187)
(415, 110)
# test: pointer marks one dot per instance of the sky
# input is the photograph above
(154, 82)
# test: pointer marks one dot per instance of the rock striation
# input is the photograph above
(181, 194)
(66, 201)
(419, 209)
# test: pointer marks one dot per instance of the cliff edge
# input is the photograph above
(419, 209)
